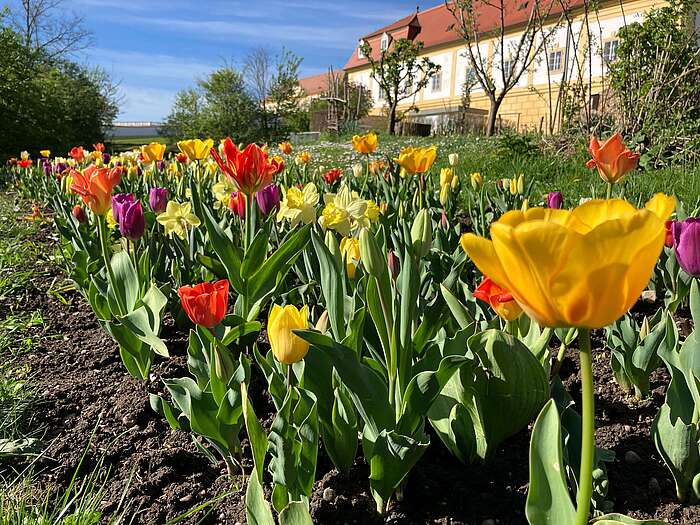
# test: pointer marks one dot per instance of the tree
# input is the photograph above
(49, 27)
(218, 106)
(508, 62)
(399, 72)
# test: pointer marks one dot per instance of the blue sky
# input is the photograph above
(154, 48)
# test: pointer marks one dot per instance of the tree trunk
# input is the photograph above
(392, 120)
(493, 114)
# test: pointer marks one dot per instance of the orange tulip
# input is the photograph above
(77, 153)
(612, 158)
(285, 147)
(95, 186)
(99, 147)
(500, 300)
(205, 303)
(250, 168)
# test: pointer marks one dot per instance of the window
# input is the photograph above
(595, 102)
(554, 60)
(360, 54)
(384, 42)
(610, 50)
(507, 68)
(436, 82)
(381, 95)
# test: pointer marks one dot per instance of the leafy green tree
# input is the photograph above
(218, 106)
(400, 73)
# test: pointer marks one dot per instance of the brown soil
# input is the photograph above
(90, 402)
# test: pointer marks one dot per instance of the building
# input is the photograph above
(316, 86)
(575, 47)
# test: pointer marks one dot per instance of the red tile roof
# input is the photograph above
(317, 84)
(436, 26)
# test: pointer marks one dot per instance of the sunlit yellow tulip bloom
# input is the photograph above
(417, 160)
(287, 347)
(299, 205)
(153, 151)
(302, 158)
(45, 153)
(350, 251)
(24, 155)
(177, 218)
(196, 149)
(477, 180)
(583, 267)
(366, 143)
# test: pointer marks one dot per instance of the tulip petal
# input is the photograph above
(482, 252)
(662, 205)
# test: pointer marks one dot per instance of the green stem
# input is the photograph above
(106, 252)
(559, 360)
(608, 191)
(364, 184)
(585, 482)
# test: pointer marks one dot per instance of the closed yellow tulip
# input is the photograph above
(196, 149)
(153, 152)
(45, 153)
(287, 347)
(583, 267)
(417, 160)
(366, 143)
(350, 251)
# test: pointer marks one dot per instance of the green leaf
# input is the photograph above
(255, 255)
(695, 302)
(125, 285)
(256, 433)
(144, 322)
(548, 499)
(225, 249)
(459, 311)
(619, 519)
(331, 287)
(296, 513)
(257, 509)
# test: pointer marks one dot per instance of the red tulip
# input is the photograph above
(236, 203)
(77, 153)
(250, 168)
(332, 175)
(499, 299)
(205, 303)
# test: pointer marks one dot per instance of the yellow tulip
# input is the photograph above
(196, 149)
(287, 347)
(583, 267)
(417, 160)
(476, 180)
(513, 186)
(153, 152)
(302, 158)
(45, 153)
(350, 252)
(366, 143)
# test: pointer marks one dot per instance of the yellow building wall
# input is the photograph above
(527, 105)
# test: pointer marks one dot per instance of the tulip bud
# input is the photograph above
(322, 323)
(158, 199)
(371, 255)
(422, 234)
(453, 159)
(513, 186)
(521, 184)
(401, 210)
(644, 329)
(525, 206)
(443, 220)
(555, 200)
(393, 265)
(79, 214)
(223, 364)
(357, 170)
(476, 180)
(444, 193)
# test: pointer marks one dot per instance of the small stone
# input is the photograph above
(186, 498)
(654, 486)
(128, 420)
(328, 494)
(632, 458)
(649, 296)
(627, 429)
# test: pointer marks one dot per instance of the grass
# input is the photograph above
(500, 157)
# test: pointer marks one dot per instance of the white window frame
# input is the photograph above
(608, 45)
(551, 62)
(508, 65)
(384, 42)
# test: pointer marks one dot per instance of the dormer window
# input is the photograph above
(360, 54)
(384, 42)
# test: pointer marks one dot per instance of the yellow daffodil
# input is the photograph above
(287, 347)
(222, 191)
(417, 160)
(111, 222)
(45, 153)
(350, 252)
(299, 205)
(177, 218)
(344, 212)
(196, 149)
(373, 211)
(153, 151)
(583, 267)
(366, 143)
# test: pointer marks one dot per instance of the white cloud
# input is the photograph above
(145, 103)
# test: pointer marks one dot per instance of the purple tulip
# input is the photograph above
(268, 199)
(555, 200)
(60, 167)
(132, 221)
(686, 243)
(46, 167)
(119, 202)
(160, 165)
(106, 157)
(158, 199)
